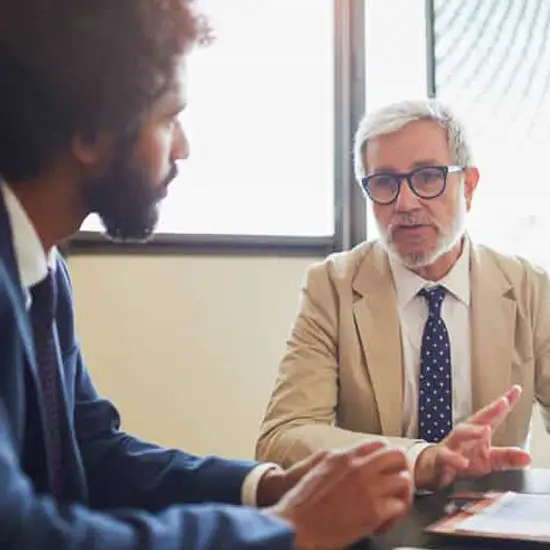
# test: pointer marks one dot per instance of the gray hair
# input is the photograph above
(393, 117)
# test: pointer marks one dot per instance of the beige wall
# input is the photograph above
(540, 442)
(188, 347)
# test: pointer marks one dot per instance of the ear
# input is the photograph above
(471, 178)
(91, 153)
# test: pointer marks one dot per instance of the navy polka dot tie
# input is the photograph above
(47, 361)
(435, 406)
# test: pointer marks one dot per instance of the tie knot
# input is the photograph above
(44, 298)
(434, 296)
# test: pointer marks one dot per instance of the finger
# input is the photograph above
(300, 469)
(385, 461)
(345, 455)
(366, 448)
(466, 432)
(448, 465)
(448, 475)
(505, 458)
(390, 511)
(311, 461)
(390, 524)
(494, 413)
(343, 461)
(399, 486)
(448, 458)
(513, 394)
(358, 450)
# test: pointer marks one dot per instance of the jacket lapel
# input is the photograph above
(7, 256)
(376, 318)
(493, 322)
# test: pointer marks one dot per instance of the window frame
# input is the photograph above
(349, 204)
(430, 49)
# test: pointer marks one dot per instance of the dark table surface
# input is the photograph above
(427, 509)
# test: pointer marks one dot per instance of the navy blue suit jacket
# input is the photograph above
(121, 493)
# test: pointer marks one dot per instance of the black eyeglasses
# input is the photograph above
(426, 182)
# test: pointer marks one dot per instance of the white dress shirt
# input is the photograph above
(413, 314)
(33, 262)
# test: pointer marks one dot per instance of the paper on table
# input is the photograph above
(512, 514)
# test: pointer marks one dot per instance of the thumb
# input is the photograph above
(389, 511)
(307, 464)
(368, 447)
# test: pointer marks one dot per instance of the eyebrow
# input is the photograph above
(417, 164)
(181, 106)
(173, 108)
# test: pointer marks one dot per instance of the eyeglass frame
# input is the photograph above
(445, 170)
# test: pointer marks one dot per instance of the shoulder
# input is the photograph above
(525, 282)
(343, 266)
(65, 313)
(517, 270)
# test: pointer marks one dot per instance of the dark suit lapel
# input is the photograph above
(35, 457)
(11, 274)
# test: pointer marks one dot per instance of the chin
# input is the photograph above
(414, 258)
(125, 239)
(132, 233)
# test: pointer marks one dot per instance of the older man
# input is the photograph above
(406, 336)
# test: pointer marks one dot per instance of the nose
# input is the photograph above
(406, 200)
(180, 146)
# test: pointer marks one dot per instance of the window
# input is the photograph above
(395, 59)
(492, 66)
(260, 124)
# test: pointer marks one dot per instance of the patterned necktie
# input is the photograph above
(435, 407)
(47, 360)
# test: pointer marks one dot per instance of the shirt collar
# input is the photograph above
(457, 280)
(32, 262)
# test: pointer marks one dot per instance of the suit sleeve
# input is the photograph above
(31, 521)
(301, 414)
(124, 471)
(35, 522)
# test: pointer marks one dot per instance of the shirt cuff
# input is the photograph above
(249, 488)
(412, 456)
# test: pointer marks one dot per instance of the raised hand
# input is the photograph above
(468, 450)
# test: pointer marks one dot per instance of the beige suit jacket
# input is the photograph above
(341, 380)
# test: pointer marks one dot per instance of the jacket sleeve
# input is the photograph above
(29, 521)
(123, 471)
(301, 415)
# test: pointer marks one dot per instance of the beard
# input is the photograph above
(125, 198)
(446, 239)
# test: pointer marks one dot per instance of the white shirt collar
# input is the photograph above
(32, 262)
(457, 281)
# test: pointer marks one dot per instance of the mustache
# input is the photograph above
(172, 175)
(410, 219)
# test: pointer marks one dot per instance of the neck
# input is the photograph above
(438, 269)
(53, 205)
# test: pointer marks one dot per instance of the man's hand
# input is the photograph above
(347, 495)
(276, 482)
(468, 451)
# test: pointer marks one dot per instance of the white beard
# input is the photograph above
(446, 242)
